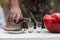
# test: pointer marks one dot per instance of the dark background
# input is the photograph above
(38, 8)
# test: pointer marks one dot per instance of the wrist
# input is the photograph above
(15, 6)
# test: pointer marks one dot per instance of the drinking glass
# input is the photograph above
(38, 26)
(30, 27)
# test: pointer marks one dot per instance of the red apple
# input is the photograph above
(56, 15)
(48, 21)
(52, 22)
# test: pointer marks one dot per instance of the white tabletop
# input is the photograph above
(43, 34)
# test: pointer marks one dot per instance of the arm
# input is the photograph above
(13, 3)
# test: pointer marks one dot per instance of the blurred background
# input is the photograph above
(35, 9)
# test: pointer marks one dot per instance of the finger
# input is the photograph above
(13, 17)
(21, 17)
(17, 18)
(10, 17)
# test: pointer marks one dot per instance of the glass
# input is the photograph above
(30, 27)
(38, 26)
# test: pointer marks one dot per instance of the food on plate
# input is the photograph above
(13, 29)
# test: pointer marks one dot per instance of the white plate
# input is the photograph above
(15, 32)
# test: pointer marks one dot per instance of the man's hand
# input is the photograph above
(15, 14)
(15, 11)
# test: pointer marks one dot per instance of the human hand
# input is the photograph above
(15, 14)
